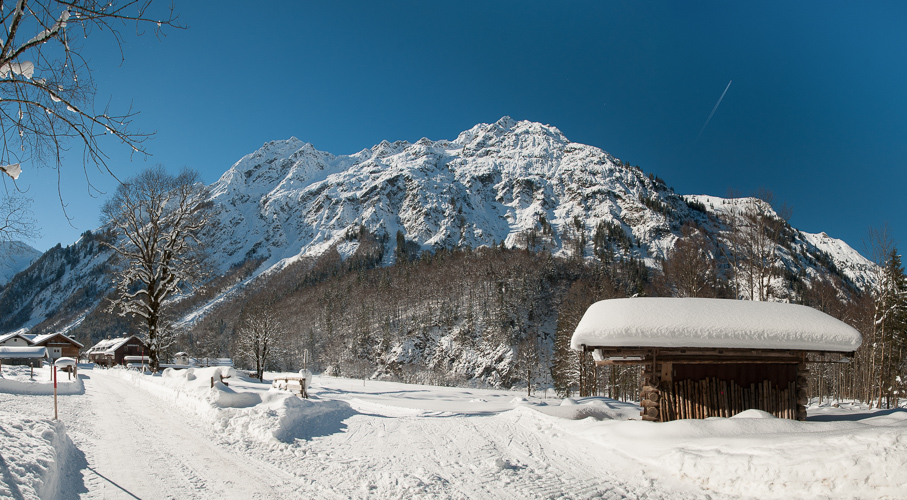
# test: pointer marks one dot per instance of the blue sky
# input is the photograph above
(817, 111)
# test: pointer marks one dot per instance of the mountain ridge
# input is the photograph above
(514, 183)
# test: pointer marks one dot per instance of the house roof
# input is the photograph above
(7, 336)
(22, 352)
(41, 339)
(108, 346)
(712, 323)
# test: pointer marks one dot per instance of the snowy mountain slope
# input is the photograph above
(856, 267)
(65, 282)
(517, 182)
(812, 248)
(14, 257)
(489, 185)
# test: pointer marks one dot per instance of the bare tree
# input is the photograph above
(16, 222)
(690, 270)
(46, 86)
(527, 361)
(261, 338)
(752, 244)
(16, 225)
(732, 247)
(157, 217)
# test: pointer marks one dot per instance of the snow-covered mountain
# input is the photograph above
(495, 182)
(517, 182)
(14, 257)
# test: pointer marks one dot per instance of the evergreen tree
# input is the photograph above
(889, 321)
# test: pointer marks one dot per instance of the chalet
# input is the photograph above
(713, 357)
(57, 344)
(15, 339)
(112, 352)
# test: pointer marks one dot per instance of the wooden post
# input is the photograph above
(688, 389)
(802, 398)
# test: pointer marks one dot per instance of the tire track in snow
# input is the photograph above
(139, 446)
(404, 453)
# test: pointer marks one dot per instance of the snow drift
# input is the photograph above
(34, 454)
(241, 408)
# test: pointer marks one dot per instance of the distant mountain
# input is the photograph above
(14, 257)
(516, 183)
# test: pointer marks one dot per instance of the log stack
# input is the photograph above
(651, 398)
(712, 397)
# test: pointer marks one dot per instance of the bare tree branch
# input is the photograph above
(46, 86)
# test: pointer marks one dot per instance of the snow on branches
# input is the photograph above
(46, 86)
(157, 218)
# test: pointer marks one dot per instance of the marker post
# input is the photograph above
(55, 392)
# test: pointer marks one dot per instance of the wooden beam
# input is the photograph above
(626, 351)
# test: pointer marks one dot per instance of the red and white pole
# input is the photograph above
(55, 392)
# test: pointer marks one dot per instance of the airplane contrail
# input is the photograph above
(706, 124)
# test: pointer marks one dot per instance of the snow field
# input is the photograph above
(18, 380)
(847, 453)
(854, 454)
(372, 439)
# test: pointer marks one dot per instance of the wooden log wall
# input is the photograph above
(712, 397)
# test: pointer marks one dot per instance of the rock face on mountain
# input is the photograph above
(15, 256)
(519, 183)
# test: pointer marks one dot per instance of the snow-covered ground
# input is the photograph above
(129, 435)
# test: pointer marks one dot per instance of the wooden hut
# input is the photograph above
(713, 357)
(33, 356)
(112, 352)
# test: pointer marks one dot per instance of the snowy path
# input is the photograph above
(173, 436)
(138, 436)
(137, 446)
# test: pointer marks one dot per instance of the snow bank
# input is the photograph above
(594, 407)
(241, 408)
(755, 455)
(694, 322)
(18, 380)
(33, 456)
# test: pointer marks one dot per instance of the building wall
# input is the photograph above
(59, 349)
(134, 347)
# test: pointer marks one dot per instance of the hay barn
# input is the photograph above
(714, 357)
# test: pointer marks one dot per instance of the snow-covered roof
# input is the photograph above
(7, 336)
(712, 323)
(39, 339)
(22, 352)
(108, 346)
